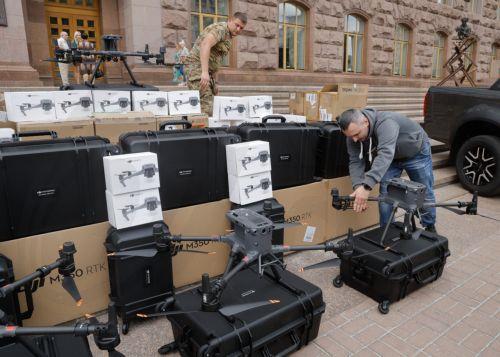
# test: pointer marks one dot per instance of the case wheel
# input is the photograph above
(383, 307)
(337, 282)
(125, 328)
(168, 348)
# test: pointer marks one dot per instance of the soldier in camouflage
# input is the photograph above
(207, 54)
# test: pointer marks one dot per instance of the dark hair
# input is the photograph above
(241, 16)
(85, 36)
(349, 116)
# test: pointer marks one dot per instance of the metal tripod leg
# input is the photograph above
(92, 78)
(134, 82)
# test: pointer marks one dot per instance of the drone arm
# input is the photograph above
(329, 246)
(78, 330)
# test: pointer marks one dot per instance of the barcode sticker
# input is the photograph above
(309, 235)
(292, 95)
(311, 98)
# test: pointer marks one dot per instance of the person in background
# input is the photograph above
(77, 40)
(184, 52)
(62, 43)
(176, 70)
(88, 62)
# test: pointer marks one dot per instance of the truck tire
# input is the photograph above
(478, 165)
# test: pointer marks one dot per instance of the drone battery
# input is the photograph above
(273, 210)
(73, 104)
(332, 159)
(184, 102)
(51, 185)
(155, 102)
(134, 208)
(410, 193)
(137, 284)
(248, 158)
(30, 106)
(293, 148)
(111, 101)
(252, 188)
(193, 166)
(389, 274)
(272, 330)
(131, 172)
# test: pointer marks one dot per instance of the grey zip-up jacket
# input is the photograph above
(392, 136)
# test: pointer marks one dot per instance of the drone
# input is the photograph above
(262, 156)
(84, 102)
(45, 104)
(159, 102)
(150, 203)
(122, 103)
(193, 101)
(265, 105)
(240, 108)
(148, 171)
(264, 184)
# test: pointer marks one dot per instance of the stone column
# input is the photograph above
(15, 69)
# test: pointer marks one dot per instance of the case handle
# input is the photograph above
(274, 116)
(184, 123)
(32, 133)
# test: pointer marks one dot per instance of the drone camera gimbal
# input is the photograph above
(193, 101)
(262, 156)
(84, 102)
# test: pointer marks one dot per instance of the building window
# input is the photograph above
(495, 61)
(401, 50)
(207, 12)
(292, 36)
(445, 2)
(476, 6)
(438, 55)
(354, 32)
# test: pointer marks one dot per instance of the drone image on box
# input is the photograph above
(262, 156)
(240, 108)
(159, 102)
(148, 171)
(192, 101)
(12, 336)
(122, 103)
(45, 104)
(150, 204)
(264, 185)
(265, 105)
(84, 102)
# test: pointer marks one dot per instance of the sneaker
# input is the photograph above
(431, 229)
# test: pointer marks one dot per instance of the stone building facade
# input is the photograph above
(256, 53)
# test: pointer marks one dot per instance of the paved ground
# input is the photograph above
(457, 315)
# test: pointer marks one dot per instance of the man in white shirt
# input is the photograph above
(62, 43)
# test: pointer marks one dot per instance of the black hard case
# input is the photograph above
(47, 346)
(332, 159)
(293, 150)
(390, 275)
(272, 330)
(50, 185)
(192, 163)
(273, 210)
(137, 284)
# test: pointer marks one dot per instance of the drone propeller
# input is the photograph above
(150, 253)
(69, 285)
(330, 263)
(460, 212)
(226, 311)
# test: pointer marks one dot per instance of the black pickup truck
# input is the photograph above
(467, 121)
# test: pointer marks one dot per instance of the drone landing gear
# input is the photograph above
(337, 281)
(168, 348)
(383, 307)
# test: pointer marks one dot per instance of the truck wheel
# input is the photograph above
(478, 165)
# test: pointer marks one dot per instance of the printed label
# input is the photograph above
(312, 98)
(309, 235)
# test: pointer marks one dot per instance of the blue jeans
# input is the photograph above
(419, 169)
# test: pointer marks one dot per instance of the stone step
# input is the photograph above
(437, 146)
(396, 94)
(442, 176)
(440, 159)
(397, 107)
(395, 100)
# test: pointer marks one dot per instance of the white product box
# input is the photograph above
(248, 158)
(111, 101)
(233, 108)
(259, 106)
(134, 208)
(131, 172)
(216, 106)
(292, 118)
(184, 102)
(3, 116)
(6, 134)
(73, 104)
(30, 106)
(155, 102)
(252, 188)
(215, 123)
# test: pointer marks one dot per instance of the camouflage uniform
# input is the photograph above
(217, 53)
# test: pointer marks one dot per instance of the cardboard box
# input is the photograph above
(134, 208)
(6, 134)
(8, 124)
(198, 120)
(296, 103)
(113, 126)
(64, 129)
(111, 101)
(73, 104)
(249, 189)
(334, 100)
(53, 305)
(131, 172)
(152, 101)
(248, 158)
(311, 105)
(259, 106)
(233, 108)
(339, 222)
(30, 106)
(306, 205)
(184, 102)
(164, 118)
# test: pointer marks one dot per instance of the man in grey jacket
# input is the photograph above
(381, 145)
